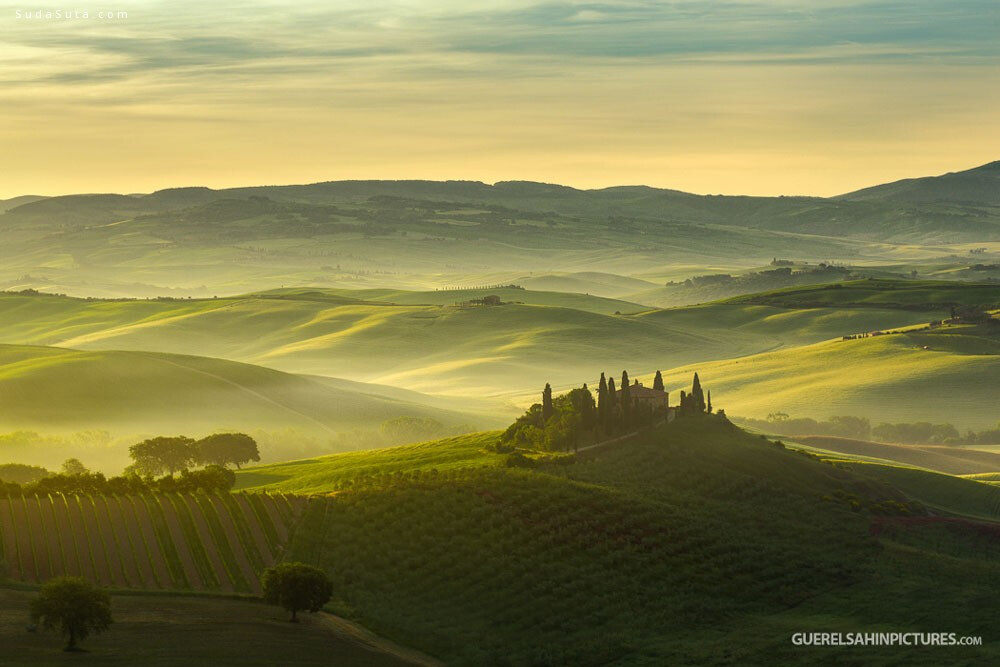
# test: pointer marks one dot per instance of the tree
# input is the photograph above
(74, 467)
(157, 455)
(708, 408)
(602, 403)
(626, 401)
(296, 587)
(547, 409)
(222, 449)
(74, 606)
(697, 395)
(658, 381)
(612, 412)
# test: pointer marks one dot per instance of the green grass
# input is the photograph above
(887, 378)
(331, 473)
(170, 631)
(917, 294)
(694, 544)
(129, 392)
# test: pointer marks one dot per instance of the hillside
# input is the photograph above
(56, 389)
(948, 374)
(469, 352)
(691, 544)
(975, 186)
(422, 234)
(946, 459)
(904, 294)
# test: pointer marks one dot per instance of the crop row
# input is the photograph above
(151, 542)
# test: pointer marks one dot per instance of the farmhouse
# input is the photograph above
(654, 398)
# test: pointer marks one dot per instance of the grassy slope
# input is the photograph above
(168, 631)
(69, 389)
(468, 351)
(694, 544)
(922, 294)
(950, 460)
(887, 378)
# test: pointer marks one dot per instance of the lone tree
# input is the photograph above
(658, 381)
(295, 587)
(547, 409)
(74, 606)
(222, 449)
(158, 455)
(74, 467)
(602, 403)
(698, 395)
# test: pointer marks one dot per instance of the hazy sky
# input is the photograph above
(742, 96)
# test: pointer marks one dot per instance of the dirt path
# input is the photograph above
(90, 538)
(211, 548)
(250, 574)
(180, 543)
(144, 526)
(11, 553)
(256, 530)
(349, 631)
(71, 544)
(50, 535)
(121, 511)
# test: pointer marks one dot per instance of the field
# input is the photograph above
(965, 461)
(906, 377)
(636, 553)
(170, 542)
(462, 351)
(173, 631)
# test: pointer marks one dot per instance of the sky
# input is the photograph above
(759, 97)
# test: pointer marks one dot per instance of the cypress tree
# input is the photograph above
(697, 395)
(602, 403)
(547, 409)
(709, 407)
(683, 407)
(626, 401)
(612, 413)
(658, 381)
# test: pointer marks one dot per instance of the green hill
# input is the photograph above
(976, 186)
(947, 459)
(905, 294)
(692, 544)
(947, 374)
(58, 390)
(471, 351)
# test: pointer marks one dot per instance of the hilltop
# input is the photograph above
(974, 186)
(421, 234)
(694, 542)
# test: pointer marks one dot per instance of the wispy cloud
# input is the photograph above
(489, 89)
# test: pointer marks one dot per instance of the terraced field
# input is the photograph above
(197, 542)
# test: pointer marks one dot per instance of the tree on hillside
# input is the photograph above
(547, 410)
(223, 449)
(697, 395)
(626, 402)
(602, 403)
(74, 467)
(74, 607)
(708, 408)
(612, 412)
(163, 454)
(296, 587)
(658, 381)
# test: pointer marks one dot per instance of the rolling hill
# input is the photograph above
(974, 186)
(692, 544)
(70, 389)
(461, 351)
(422, 234)
(947, 374)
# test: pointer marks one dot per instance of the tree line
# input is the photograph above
(566, 422)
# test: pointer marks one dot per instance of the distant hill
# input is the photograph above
(8, 204)
(973, 186)
(431, 234)
(388, 337)
(58, 390)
